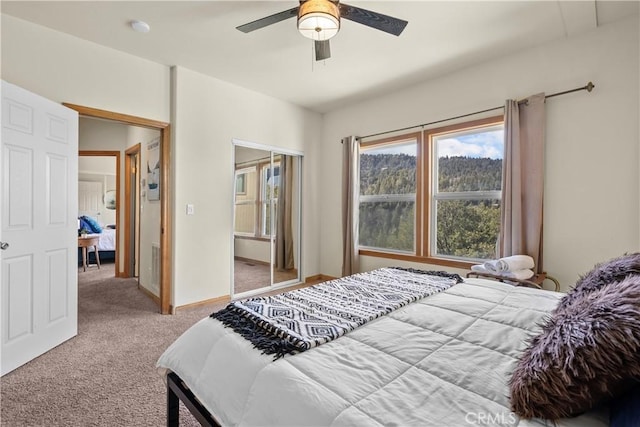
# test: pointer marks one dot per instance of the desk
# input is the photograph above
(84, 243)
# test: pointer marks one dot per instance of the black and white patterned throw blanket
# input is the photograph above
(298, 320)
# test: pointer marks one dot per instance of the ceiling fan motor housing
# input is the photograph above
(318, 19)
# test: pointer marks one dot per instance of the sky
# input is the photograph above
(479, 144)
(486, 144)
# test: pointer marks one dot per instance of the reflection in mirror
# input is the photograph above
(266, 219)
(285, 215)
(252, 255)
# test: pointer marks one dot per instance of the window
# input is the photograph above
(433, 195)
(241, 183)
(387, 199)
(256, 193)
(245, 202)
(270, 184)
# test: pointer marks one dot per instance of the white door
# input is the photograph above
(89, 198)
(39, 298)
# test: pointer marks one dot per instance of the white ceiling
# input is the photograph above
(276, 60)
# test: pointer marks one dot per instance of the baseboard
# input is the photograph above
(249, 260)
(227, 298)
(319, 278)
(150, 294)
(224, 298)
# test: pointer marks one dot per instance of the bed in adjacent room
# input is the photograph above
(106, 242)
(106, 245)
(444, 357)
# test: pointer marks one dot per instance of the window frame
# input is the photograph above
(261, 205)
(243, 171)
(417, 226)
(424, 227)
(264, 203)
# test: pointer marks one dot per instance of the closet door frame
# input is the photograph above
(298, 231)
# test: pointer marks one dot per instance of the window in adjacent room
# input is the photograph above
(433, 195)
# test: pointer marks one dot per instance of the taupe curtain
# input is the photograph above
(284, 232)
(523, 179)
(350, 188)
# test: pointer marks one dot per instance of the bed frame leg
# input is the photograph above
(178, 392)
(173, 405)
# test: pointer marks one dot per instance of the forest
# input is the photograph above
(464, 228)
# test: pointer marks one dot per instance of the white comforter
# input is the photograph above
(441, 361)
(107, 241)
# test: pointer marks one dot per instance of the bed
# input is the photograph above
(106, 246)
(443, 360)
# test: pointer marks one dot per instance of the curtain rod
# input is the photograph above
(588, 87)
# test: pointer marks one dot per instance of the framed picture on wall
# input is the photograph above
(110, 199)
(153, 169)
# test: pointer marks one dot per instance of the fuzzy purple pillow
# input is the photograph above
(602, 274)
(585, 354)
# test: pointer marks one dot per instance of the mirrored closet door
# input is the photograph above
(266, 237)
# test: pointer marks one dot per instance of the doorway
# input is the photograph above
(132, 212)
(164, 247)
(98, 182)
(266, 230)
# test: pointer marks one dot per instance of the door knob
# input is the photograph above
(4, 245)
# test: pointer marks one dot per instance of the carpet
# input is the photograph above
(249, 276)
(106, 375)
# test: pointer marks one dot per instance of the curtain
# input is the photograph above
(284, 232)
(350, 188)
(523, 179)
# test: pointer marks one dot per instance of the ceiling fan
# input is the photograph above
(320, 20)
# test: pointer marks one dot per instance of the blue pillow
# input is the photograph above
(84, 225)
(94, 227)
(624, 410)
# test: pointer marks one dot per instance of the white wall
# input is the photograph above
(592, 189)
(251, 249)
(64, 68)
(102, 170)
(149, 209)
(591, 177)
(207, 115)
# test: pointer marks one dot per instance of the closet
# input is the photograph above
(266, 218)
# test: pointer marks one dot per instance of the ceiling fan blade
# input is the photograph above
(268, 20)
(323, 50)
(381, 22)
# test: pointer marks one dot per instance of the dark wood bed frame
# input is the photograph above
(178, 391)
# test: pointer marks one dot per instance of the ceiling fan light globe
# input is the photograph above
(318, 27)
(318, 19)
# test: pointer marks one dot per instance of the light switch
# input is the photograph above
(190, 209)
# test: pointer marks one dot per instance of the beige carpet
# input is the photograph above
(249, 276)
(106, 375)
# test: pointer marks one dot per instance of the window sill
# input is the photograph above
(261, 239)
(466, 265)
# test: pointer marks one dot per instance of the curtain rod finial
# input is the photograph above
(590, 86)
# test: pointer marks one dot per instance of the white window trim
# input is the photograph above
(245, 170)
